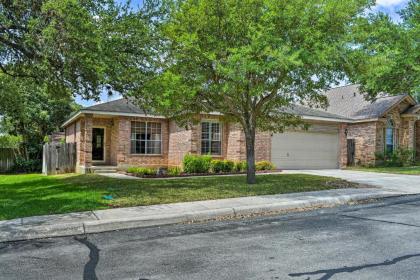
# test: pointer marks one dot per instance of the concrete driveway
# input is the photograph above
(404, 184)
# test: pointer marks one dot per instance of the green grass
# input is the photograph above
(411, 170)
(35, 194)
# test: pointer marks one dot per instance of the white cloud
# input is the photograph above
(388, 3)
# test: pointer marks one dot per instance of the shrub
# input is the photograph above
(240, 166)
(23, 165)
(397, 158)
(225, 166)
(196, 163)
(141, 171)
(264, 165)
(228, 165)
(217, 165)
(174, 171)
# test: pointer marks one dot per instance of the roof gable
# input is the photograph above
(349, 102)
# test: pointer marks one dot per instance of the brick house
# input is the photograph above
(350, 131)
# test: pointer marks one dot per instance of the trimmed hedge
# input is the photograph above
(264, 165)
(222, 166)
(142, 171)
(196, 163)
(174, 171)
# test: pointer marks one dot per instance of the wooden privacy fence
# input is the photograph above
(58, 158)
(7, 159)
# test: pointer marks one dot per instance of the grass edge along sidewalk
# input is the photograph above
(35, 194)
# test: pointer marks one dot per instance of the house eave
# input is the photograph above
(108, 113)
(312, 118)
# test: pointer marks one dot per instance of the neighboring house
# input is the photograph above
(351, 130)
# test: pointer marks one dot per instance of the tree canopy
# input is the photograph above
(387, 54)
(249, 60)
(57, 43)
(30, 112)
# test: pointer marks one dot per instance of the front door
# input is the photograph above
(98, 144)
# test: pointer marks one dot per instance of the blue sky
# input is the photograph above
(391, 7)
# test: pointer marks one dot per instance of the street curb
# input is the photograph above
(25, 232)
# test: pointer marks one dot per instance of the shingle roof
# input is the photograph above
(121, 105)
(347, 101)
(306, 111)
(413, 110)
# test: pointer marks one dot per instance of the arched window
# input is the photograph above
(389, 136)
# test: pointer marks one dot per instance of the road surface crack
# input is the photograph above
(381, 221)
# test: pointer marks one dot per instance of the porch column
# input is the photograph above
(343, 146)
(417, 139)
(412, 134)
(86, 143)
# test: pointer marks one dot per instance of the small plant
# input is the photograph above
(222, 166)
(217, 165)
(174, 171)
(264, 165)
(196, 163)
(23, 165)
(141, 171)
(240, 166)
(396, 158)
(228, 166)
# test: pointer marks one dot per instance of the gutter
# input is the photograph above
(108, 113)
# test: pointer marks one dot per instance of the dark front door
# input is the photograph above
(351, 150)
(98, 143)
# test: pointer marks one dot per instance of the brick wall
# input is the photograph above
(176, 142)
(124, 156)
(365, 142)
(418, 139)
(262, 146)
(235, 149)
(71, 133)
(179, 143)
(343, 146)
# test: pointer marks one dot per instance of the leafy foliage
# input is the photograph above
(196, 163)
(398, 158)
(10, 141)
(141, 171)
(248, 60)
(30, 112)
(174, 171)
(23, 165)
(222, 166)
(387, 54)
(264, 165)
(55, 42)
(240, 166)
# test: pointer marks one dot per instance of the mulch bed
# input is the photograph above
(195, 174)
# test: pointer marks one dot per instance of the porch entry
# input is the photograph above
(98, 144)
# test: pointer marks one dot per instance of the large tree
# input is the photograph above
(57, 43)
(386, 54)
(248, 60)
(30, 112)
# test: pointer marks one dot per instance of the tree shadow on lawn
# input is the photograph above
(61, 194)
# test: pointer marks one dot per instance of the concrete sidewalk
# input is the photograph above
(404, 184)
(143, 216)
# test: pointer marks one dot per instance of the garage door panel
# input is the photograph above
(305, 150)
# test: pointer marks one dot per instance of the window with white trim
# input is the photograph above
(146, 138)
(390, 137)
(211, 138)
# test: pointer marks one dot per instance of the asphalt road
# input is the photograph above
(372, 241)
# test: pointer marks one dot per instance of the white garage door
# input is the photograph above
(305, 150)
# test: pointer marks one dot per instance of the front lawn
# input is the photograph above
(34, 194)
(412, 170)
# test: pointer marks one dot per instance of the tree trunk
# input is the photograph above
(250, 154)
